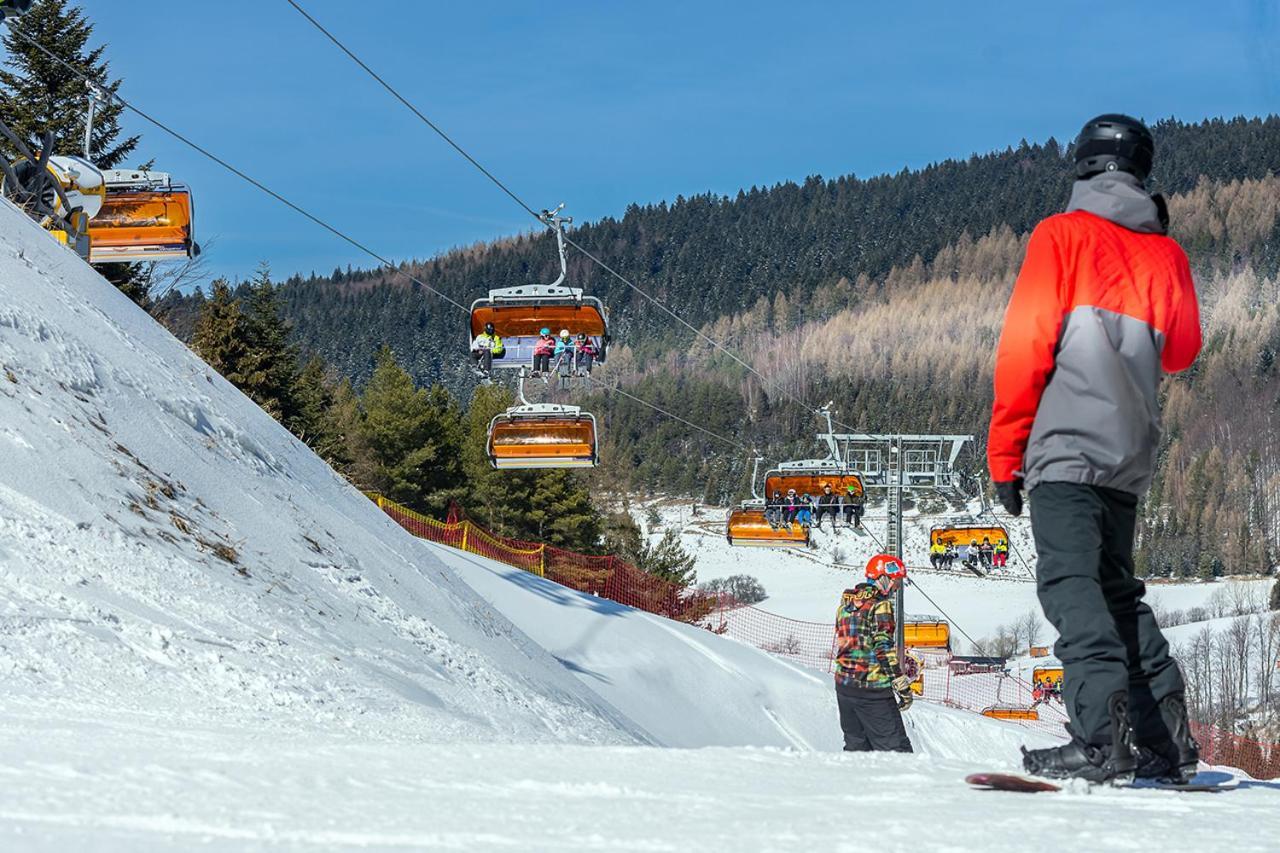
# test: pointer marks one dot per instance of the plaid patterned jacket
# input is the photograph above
(866, 651)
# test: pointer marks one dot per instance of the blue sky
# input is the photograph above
(601, 104)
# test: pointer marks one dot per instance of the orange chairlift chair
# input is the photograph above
(808, 476)
(542, 435)
(749, 524)
(926, 632)
(961, 535)
(518, 313)
(145, 217)
(1046, 676)
(1010, 712)
(105, 215)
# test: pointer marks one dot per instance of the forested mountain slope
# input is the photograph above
(709, 256)
(886, 296)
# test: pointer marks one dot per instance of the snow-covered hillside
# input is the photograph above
(208, 639)
(166, 547)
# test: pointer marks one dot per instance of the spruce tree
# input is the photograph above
(219, 336)
(269, 370)
(560, 512)
(246, 340)
(39, 96)
(314, 419)
(496, 499)
(414, 439)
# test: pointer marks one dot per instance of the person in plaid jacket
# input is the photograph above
(871, 689)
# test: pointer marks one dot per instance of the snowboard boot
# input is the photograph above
(1113, 762)
(1173, 759)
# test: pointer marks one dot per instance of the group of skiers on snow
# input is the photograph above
(808, 511)
(573, 355)
(1104, 305)
(943, 555)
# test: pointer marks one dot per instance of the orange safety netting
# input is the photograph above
(947, 680)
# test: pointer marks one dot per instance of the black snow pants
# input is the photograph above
(1109, 640)
(870, 720)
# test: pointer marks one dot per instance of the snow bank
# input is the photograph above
(166, 547)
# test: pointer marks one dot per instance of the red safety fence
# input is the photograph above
(947, 680)
(1260, 760)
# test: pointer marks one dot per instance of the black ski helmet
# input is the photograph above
(1114, 143)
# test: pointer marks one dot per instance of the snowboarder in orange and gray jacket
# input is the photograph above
(1104, 305)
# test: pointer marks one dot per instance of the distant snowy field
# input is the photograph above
(209, 641)
(806, 584)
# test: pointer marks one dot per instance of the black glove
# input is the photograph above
(1010, 496)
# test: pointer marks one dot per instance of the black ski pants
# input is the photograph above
(1108, 637)
(870, 720)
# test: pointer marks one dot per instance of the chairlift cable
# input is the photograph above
(330, 228)
(233, 170)
(911, 579)
(618, 390)
(529, 209)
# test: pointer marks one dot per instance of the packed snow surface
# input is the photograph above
(207, 639)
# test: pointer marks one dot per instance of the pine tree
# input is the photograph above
(269, 370)
(668, 560)
(561, 512)
(246, 341)
(1275, 595)
(314, 420)
(39, 96)
(494, 498)
(219, 336)
(414, 439)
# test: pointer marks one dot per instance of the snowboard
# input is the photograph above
(1207, 780)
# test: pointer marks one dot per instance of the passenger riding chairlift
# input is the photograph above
(960, 535)
(1046, 675)
(518, 313)
(748, 526)
(542, 435)
(104, 216)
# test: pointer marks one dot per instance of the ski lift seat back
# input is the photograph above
(748, 526)
(960, 535)
(518, 314)
(145, 217)
(1046, 675)
(926, 634)
(543, 435)
(1011, 712)
(811, 482)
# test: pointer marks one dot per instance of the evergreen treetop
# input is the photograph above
(38, 95)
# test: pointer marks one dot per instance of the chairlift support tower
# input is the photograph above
(896, 462)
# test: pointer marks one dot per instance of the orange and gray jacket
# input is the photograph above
(1104, 305)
